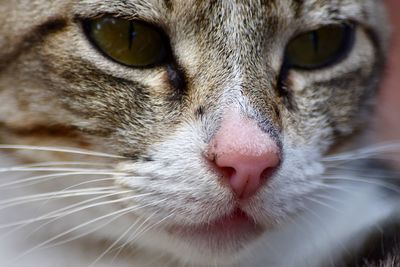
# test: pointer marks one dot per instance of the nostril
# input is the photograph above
(227, 172)
(268, 172)
(224, 172)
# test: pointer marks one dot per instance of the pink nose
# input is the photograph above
(243, 154)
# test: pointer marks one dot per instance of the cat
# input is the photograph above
(193, 133)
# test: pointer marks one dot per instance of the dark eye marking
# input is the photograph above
(176, 76)
(199, 111)
(148, 159)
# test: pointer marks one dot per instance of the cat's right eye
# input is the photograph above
(132, 43)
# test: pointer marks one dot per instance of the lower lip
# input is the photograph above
(237, 217)
(235, 225)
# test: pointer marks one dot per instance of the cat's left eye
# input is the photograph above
(132, 43)
(320, 48)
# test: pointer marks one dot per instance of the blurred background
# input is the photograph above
(388, 117)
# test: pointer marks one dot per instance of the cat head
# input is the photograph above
(221, 111)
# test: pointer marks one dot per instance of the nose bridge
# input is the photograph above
(252, 78)
(259, 88)
(244, 85)
(235, 69)
(252, 88)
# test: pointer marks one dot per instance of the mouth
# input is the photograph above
(231, 230)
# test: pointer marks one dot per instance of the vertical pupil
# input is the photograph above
(315, 41)
(131, 34)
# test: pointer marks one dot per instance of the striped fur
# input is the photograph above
(56, 89)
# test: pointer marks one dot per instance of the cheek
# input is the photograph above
(333, 107)
(131, 114)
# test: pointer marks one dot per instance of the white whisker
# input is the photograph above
(77, 185)
(330, 198)
(364, 153)
(62, 150)
(50, 169)
(69, 212)
(130, 239)
(60, 212)
(391, 187)
(65, 241)
(337, 187)
(44, 178)
(88, 182)
(97, 228)
(62, 163)
(380, 174)
(312, 199)
(41, 245)
(140, 231)
(113, 244)
(122, 236)
(72, 193)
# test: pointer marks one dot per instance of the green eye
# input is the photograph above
(320, 48)
(131, 43)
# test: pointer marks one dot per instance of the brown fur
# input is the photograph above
(55, 88)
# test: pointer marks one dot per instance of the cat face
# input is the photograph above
(222, 89)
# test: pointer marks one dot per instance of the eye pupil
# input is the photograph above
(132, 43)
(319, 48)
(315, 40)
(131, 35)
